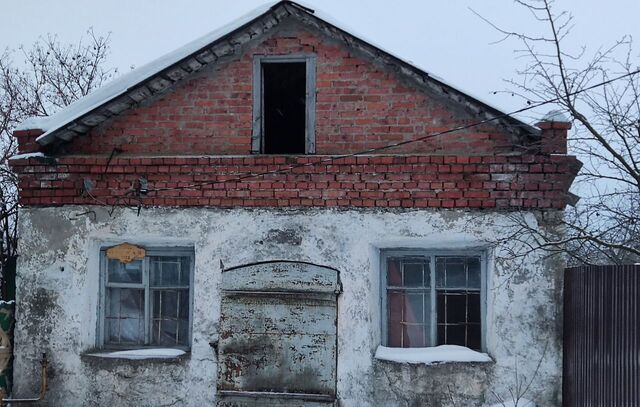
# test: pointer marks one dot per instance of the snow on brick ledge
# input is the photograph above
(433, 355)
(138, 354)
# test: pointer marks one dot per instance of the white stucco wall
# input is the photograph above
(58, 283)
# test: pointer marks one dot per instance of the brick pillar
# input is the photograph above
(554, 126)
(27, 140)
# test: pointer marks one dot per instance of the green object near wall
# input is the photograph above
(7, 322)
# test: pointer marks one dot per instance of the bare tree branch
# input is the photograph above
(49, 76)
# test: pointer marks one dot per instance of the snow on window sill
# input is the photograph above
(519, 403)
(431, 356)
(140, 354)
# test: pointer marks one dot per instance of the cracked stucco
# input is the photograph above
(57, 290)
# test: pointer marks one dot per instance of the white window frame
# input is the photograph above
(150, 252)
(432, 254)
(257, 137)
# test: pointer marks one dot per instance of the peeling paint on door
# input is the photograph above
(278, 335)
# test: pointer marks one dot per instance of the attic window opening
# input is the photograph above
(284, 104)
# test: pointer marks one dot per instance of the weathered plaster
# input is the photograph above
(57, 294)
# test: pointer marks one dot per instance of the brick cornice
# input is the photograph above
(535, 181)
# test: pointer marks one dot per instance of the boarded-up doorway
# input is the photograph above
(278, 335)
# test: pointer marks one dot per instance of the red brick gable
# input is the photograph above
(359, 105)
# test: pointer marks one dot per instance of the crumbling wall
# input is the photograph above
(57, 293)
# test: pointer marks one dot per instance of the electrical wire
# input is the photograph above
(392, 145)
(333, 158)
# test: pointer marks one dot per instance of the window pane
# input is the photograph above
(124, 273)
(408, 318)
(169, 304)
(473, 337)
(413, 336)
(474, 273)
(473, 302)
(456, 335)
(456, 307)
(414, 309)
(451, 272)
(183, 331)
(169, 271)
(459, 318)
(458, 272)
(394, 334)
(185, 270)
(184, 304)
(442, 339)
(395, 304)
(170, 317)
(164, 332)
(124, 320)
(394, 276)
(413, 274)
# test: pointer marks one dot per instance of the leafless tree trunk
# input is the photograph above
(600, 92)
(48, 76)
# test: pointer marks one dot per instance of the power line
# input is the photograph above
(393, 145)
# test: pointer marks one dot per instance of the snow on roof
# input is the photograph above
(121, 84)
(555, 116)
(126, 82)
(436, 354)
(36, 122)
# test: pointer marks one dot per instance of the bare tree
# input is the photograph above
(600, 93)
(49, 76)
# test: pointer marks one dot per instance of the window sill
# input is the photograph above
(140, 354)
(432, 356)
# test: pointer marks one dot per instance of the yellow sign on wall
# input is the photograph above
(126, 253)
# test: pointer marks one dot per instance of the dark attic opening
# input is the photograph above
(284, 107)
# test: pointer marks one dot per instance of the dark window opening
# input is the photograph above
(284, 107)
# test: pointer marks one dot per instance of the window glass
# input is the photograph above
(409, 302)
(169, 271)
(413, 274)
(456, 317)
(125, 315)
(124, 273)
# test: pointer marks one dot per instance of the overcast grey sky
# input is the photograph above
(442, 37)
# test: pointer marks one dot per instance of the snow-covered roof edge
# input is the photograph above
(121, 85)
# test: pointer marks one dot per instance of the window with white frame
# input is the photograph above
(432, 298)
(147, 302)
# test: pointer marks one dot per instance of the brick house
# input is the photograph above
(250, 220)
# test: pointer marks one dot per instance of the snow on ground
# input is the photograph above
(433, 355)
(136, 354)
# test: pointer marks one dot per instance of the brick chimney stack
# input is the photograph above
(28, 131)
(554, 126)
